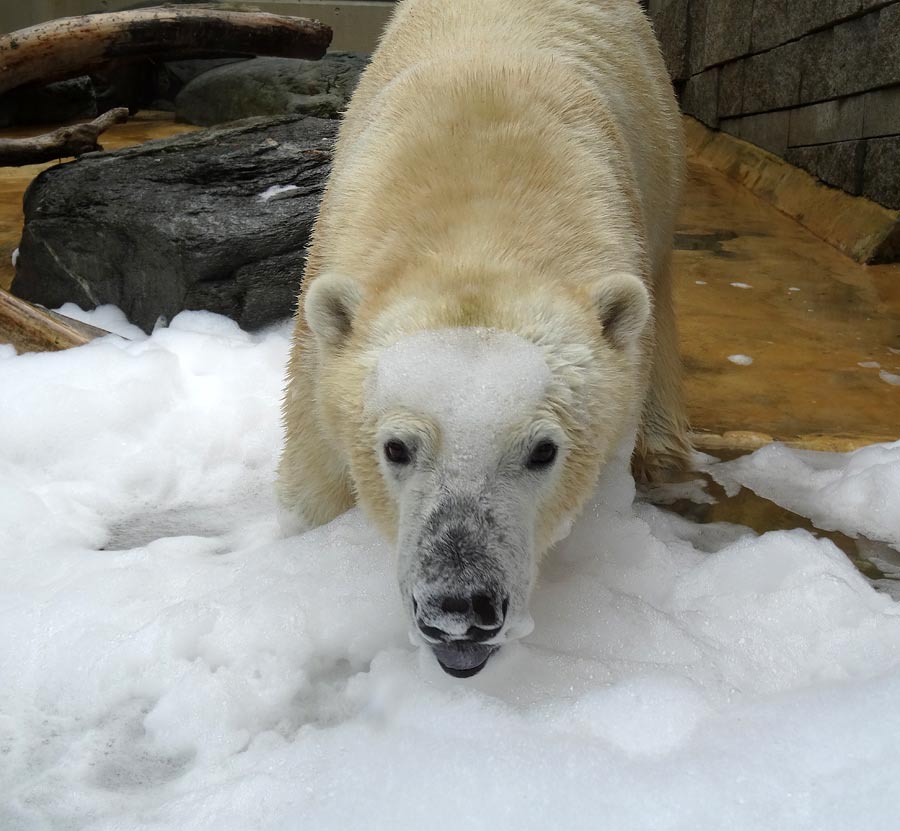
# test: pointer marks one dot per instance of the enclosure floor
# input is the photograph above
(805, 383)
(809, 319)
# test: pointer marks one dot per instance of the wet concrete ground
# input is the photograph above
(753, 282)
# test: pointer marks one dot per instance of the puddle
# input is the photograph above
(701, 499)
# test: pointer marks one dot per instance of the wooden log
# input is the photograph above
(32, 329)
(73, 46)
(62, 143)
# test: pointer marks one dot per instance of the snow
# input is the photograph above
(275, 190)
(479, 393)
(169, 662)
(856, 493)
(740, 360)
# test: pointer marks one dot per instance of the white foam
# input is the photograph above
(106, 317)
(15, 257)
(168, 661)
(742, 285)
(869, 364)
(857, 493)
(275, 190)
(474, 382)
(889, 378)
(740, 360)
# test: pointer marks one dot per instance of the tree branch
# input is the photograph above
(66, 141)
(32, 329)
(74, 46)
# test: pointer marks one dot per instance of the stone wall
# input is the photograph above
(816, 82)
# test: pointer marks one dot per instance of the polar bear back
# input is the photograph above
(610, 46)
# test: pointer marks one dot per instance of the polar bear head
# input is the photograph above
(475, 423)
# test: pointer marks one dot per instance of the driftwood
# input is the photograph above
(74, 46)
(66, 141)
(32, 329)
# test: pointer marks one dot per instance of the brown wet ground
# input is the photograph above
(809, 318)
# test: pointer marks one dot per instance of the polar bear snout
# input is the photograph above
(476, 617)
(466, 577)
(462, 630)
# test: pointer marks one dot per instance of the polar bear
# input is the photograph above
(486, 309)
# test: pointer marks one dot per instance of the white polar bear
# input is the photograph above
(486, 308)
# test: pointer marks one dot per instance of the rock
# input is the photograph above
(271, 86)
(174, 76)
(217, 220)
(51, 104)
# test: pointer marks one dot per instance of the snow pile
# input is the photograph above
(857, 493)
(168, 662)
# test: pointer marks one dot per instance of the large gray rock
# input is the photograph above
(271, 86)
(217, 220)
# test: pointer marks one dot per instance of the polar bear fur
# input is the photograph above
(505, 166)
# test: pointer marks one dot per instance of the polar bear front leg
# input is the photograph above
(313, 485)
(663, 447)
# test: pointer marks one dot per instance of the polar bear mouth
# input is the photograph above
(463, 659)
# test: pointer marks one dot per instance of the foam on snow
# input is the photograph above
(857, 493)
(474, 382)
(168, 662)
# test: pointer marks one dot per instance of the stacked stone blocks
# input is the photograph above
(816, 82)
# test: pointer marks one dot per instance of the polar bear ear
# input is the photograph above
(330, 305)
(623, 306)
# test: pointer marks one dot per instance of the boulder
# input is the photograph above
(271, 86)
(50, 104)
(218, 219)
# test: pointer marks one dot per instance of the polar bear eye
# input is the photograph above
(396, 452)
(542, 455)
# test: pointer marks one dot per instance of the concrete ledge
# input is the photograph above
(862, 229)
(747, 441)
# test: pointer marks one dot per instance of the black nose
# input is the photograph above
(477, 617)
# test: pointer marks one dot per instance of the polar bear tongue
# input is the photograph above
(462, 659)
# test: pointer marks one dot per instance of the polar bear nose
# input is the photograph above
(476, 617)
